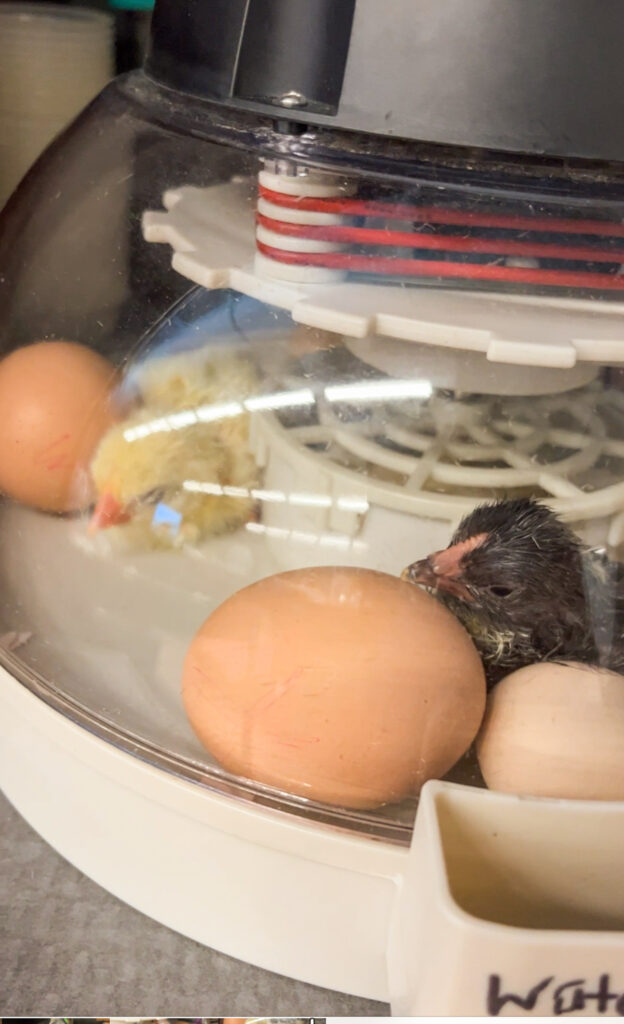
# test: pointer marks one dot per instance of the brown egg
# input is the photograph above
(342, 685)
(55, 405)
(555, 730)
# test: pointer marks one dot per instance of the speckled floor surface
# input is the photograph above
(69, 948)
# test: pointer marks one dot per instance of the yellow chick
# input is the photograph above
(178, 468)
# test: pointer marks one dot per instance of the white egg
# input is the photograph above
(556, 731)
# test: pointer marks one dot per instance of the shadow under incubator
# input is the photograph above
(312, 456)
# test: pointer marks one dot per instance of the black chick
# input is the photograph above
(527, 590)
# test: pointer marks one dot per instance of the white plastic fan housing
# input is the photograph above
(520, 330)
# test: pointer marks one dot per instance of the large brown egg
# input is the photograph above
(55, 405)
(342, 685)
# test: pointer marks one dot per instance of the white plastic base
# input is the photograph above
(306, 901)
(499, 897)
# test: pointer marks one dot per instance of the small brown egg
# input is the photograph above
(342, 685)
(55, 405)
(555, 730)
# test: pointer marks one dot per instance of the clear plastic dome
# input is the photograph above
(238, 537)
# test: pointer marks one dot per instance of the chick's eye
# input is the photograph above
(500, 591)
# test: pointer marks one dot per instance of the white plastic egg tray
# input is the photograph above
(212, 234)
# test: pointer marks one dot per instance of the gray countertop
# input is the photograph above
(69, 948)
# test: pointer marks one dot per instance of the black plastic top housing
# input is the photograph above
(524, 76)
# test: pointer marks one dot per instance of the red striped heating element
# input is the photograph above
(360, 243)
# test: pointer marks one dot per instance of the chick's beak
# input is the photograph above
(440, 571)
(107, 512)
(421, 572)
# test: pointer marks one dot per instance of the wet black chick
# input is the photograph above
(527, 590)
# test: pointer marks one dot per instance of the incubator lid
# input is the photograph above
(327, 349)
